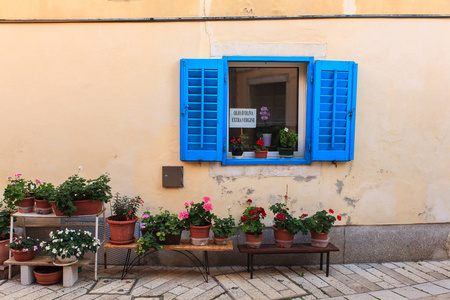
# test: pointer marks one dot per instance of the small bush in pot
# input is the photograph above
(24, 248)
(43, 193)
(163, 226)
(76, 188)
(223, 229)
(251, 224)
(320, 225)
(286, 226)
(18, 190)
(122, 223)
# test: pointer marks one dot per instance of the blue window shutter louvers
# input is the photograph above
(334, 110)
(201, 109)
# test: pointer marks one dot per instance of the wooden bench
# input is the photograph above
(70, 273)
(296, 248)
(185, 248)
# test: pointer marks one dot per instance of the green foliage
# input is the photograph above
(162, 224)
(16, 190)
(5, 221)
(77, 188)
(148, 241)
(125, 208)
(250, 222)
(44, 191)
(23, 244)
(320, 222)
(67, 243)
(224, 227)
(288, 139)
(284, 220)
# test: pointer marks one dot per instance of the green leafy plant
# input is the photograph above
(197, 214)
(259, 145)
(284, 220)
(125, 208)
(24, 244)
(44, 190)
(77, 188)
(162, 224)
(16, 190)
(321, 221)
(224, 227)
(237, 144)
(250, 222)
(68, 242)
(148, 241)
(288, 139)
(5, 221)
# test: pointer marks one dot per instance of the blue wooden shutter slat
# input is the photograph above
(201, 102)
(334, 103)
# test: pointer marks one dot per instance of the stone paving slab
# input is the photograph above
(424, 280)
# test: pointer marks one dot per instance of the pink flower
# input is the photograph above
(207, 206)
(130, 212)
(192, 202)
(206, 199)
(35, 248)
(184, 215)
(186, 203)
(38, 181)
(25, 250)
(142, 226)
(9, 178)
(17, 175)
(145, 216)
(13, 183)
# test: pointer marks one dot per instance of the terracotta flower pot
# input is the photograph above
(283, 238)
(252, 241)
(26, 205)
(47, 275)
(4, 250)
(200, 235)
(122, 232)
(221, 240)
(319, 239)
(84, 207)
(43, 207)
(261, 154)
(22, 256)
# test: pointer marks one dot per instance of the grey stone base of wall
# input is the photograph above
(357, 244)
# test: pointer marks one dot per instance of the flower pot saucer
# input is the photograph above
(121, 242)
(65, 264)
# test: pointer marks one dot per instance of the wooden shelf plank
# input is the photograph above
(44, 261)
(296, 248)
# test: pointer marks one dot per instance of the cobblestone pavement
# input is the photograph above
(398, 280)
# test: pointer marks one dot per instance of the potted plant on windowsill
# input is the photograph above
(165, 226)
(223, 229)
(78, 196)
(198, 217)
(319, 225)
(237, 146)
(260, 149)
(43, 193)
(19, 193)
(286, 226)
(288, 140)
(123, 223)
(23, 248)
(68, 245)
(251, 224)
(266, 135)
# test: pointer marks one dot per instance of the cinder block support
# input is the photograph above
(26, 275)
(70, 275)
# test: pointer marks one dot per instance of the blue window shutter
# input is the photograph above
(201, 109)
(334, 104)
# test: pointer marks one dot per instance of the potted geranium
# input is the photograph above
(19, 193)
(288, 140)
(319, 225)
(260, 149)
(78, 196)
(42, 194)
(237, 146)
(24, 248)
(198, 217)
(68, 245)
(251, 224)
(165, 226)
(286, 226)
(122, 223)
(223, 229)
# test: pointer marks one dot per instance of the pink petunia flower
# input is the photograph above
(207, 206)
(206, 199)
(184, 215)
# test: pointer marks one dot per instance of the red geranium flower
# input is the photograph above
(304, 215)
(331, 211)
(339, 218)
(260, 142)
(281, 216)
(249, 201)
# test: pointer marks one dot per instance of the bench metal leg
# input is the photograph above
(328, 263)
(321, 261)
(251, 266)
(248, 262)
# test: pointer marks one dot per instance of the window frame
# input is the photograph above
(306, 160)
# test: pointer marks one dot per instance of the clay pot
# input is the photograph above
(4, 250)
(47, 275)
(252, 241)
(84, 207)
(22, 256)
(122, 232)
(200, 235)
(221, 240)
(43, 207)
(283, 238)
(319, 239)
(26, 205)
(261, 154)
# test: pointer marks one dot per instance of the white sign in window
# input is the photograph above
(243, 117)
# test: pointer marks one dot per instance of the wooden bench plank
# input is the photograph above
(44, 261)
(184, 245)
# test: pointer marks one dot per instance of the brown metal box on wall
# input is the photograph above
(172, 176)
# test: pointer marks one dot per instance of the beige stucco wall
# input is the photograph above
(106, 96)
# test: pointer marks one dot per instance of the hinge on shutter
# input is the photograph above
(309, 146)
(350, 113)
(312, 79)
